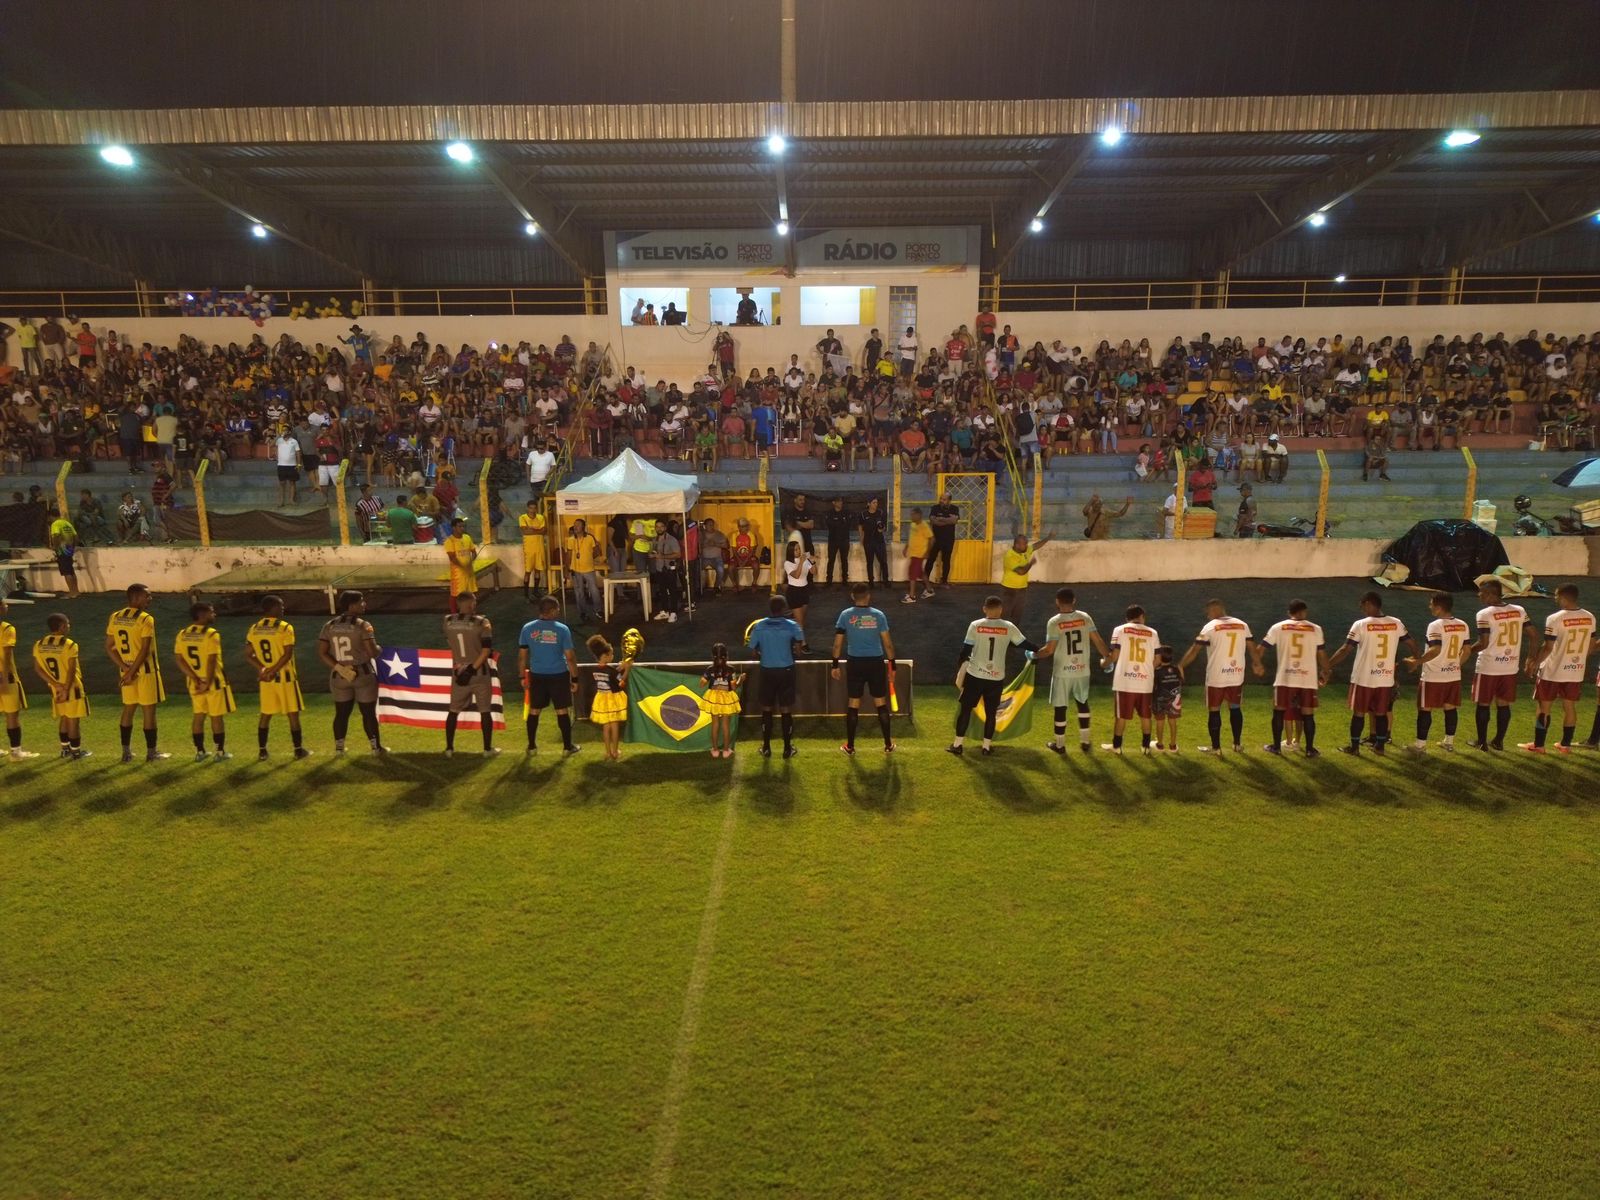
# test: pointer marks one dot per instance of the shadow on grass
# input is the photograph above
(772, 786)
(875, 783)
(606, 782)
(31, 809)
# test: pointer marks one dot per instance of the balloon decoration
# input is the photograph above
(632, 645)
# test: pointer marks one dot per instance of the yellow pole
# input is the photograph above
(200, 501)
(894, 503)
(761, 473)
(1038, 495)
(338, 497)
(1177, 512)
(1322, 495)
(483, 501)
(61, 489)
(1472, 483)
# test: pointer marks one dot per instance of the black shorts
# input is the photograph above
(67, 565)
(797, 597)
(776, 687)
(867, 674)
(549, 691)
(288, 474)
(985, 690)
(311, 462)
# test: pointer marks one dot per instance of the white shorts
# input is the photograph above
(327, 475)
(1069, 689)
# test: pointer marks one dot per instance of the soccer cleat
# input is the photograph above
(1418, 748)
(66, 752)
(765, 751)
(570, 750)
(1530, 747)
(847, 748)
(1377, 748)
(1085, 747)
(1591, 745)
(1497, 744)
(156, 756)
(491, 752)
(379, 748)
(958, 751)
(1145, 750)
(1353, 751)
(1480, 745)
(127, 756)
(1237, 748)
(1057, 747)
(18, 754)
(77, 754)
(1560, 749)
(449, 752)
(1271, 749)
(531, 750)
(1313, 752)
(262, 756)
(1448, 747)
(790, 751)
(987, 751)
(223, 755)
(201, 756)
(889, 748)
(302, 752)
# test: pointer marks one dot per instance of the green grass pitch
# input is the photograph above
(903, 977)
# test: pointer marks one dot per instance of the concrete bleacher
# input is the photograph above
(1423, 484)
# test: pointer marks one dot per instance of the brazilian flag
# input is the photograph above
(664, 710)
(1014, 716)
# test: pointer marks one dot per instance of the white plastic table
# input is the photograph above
(613, 582)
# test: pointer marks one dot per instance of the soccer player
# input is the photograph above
(1499, 647)
(1226, 641)
(774, 639)
(462, 552)
(198, 649)
(55, 660)
(131, 646)
(1558, 663)
(982, 673)
(1302, 667)
(1448, 644)
(1375, 641)
(535, 548)
(269, 647)
(12, 698)
(1067, 638)
(348, 647)
(470, 637)
(549, 669)
(861, 634)
(1133, 681)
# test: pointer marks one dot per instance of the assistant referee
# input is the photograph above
(861, 635)
(773, 639)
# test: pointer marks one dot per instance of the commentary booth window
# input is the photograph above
(838, 305)
(654, 305)
(746, 306)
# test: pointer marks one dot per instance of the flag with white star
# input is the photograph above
(414, 688)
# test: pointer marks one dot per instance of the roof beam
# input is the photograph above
(1035, 202)
(1527, 217)
(571, 240)
(51, 229)
(322, 235)
(1289, 210)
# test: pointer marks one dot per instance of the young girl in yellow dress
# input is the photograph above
(610, 708)
(721, 700)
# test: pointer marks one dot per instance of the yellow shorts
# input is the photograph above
(12, 698)
(74, 707)
(533, 557)
(146, 688)
(281, 696)
(458, 586)
(216, 702)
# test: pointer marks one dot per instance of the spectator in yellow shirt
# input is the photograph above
(584, 556)
(919, 542)
(535, 548)
(462, 552)
(1014, 568)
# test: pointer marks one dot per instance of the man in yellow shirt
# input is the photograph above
(55, 660)
(12, 698)
(642, 540)
(1014, 568)
(535, 548)
(584, 555)
(919, 541)
(462, 552)
(131, 646)
(198, 649)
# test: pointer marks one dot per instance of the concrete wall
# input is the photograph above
(172, 569)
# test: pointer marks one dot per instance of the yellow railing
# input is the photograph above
(485, 525)
(200, 513)
(338, 498)
(1472, 483)
(61, 489)
(1038, 497)
(894, 499)
(1322, 494)
(1183, 483)
(584, 297)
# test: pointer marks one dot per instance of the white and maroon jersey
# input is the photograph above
(1225, 640)
(1451, 635)
(1569, 632)
(1377, 643)
(1503, 623)
(989, 640)
(1070, 633)
(1296, 643)
(1135, 669)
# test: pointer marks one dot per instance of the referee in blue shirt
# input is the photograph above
(861, 634)
(774, 639)
(549, 672)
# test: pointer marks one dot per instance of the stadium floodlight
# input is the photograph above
(777, 144)
(117, 156)
(1036, 226)
(258, 229)
(1317, 220)
(531, 229)
(1111, 135)
(1457, 138)
(783, 229)
(459, 152)
(1338, 278)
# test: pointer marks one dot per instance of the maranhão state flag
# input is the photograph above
(414, 688)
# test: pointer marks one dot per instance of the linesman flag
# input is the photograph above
(664, 710)
(1014, 714)
(414, 688)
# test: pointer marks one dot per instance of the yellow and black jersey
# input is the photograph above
(272, 640)
(195, 644)
(57, 656)
(129, 630)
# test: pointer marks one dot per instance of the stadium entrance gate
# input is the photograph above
(972, 492)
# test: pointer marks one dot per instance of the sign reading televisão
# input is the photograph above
(759, 251)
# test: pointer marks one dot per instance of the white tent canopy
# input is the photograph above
(628, 484)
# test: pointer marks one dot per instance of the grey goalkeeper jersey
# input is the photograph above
(467, 637)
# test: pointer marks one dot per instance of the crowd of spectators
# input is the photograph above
(404, 411)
